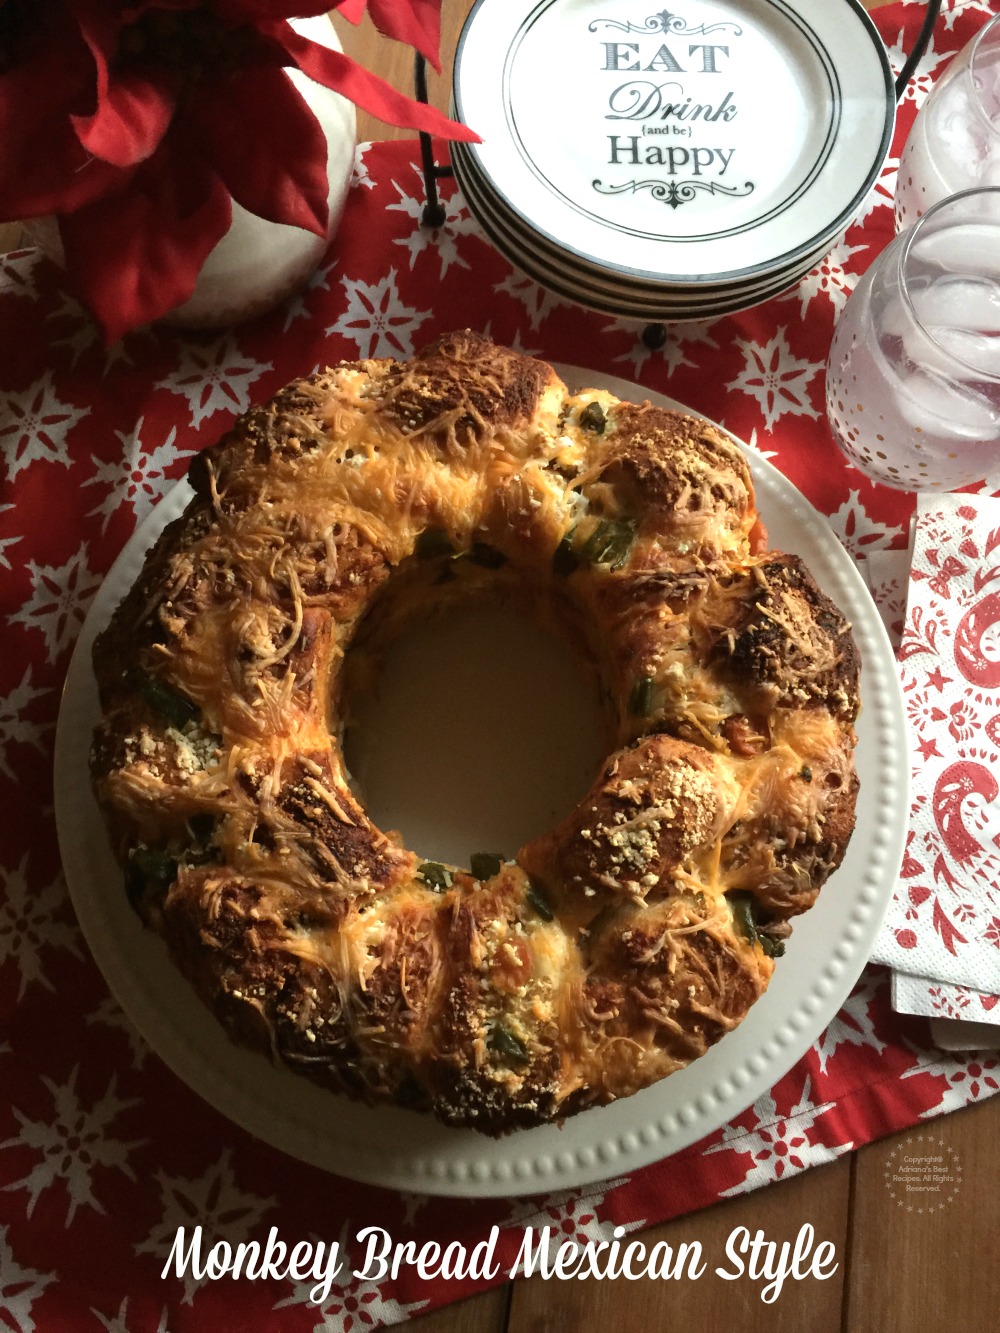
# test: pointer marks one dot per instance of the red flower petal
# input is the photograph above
(275, 165)
(417, 23)
(137, 255)
(131, 119)
(272, 11)
(133, 111)
(352, 10)
(335, 70)
(43, 167)
(135, 11)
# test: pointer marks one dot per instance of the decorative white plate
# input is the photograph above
(520, 239)
(702, 146)
(396, 1148)
(626, 300)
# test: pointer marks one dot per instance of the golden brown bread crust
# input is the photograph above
(624, 942)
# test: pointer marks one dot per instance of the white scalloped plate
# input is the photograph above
(400, 1149)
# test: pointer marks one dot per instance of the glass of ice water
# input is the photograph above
(913, 377)
(954, 143)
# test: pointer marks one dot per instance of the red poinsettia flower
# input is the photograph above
(138, 122)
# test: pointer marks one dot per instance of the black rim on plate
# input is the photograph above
(649, 306)
(519, 239)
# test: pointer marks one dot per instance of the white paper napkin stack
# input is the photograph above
(942, 609)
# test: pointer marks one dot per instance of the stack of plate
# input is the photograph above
(669, 166)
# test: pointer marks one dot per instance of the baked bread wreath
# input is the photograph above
(604, 955)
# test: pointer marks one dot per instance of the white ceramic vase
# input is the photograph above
(258, 263)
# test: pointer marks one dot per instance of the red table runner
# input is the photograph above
(103, 1152)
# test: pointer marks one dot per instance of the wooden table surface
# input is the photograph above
(898, 1271)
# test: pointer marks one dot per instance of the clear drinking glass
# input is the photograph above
(954, 143)
(913, 378)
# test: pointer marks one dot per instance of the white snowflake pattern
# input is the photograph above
(776, 378)
(754, 444)
(34, 425)
(17, 274)
(213, 1201)
(673, 354)
(540, 1210)
(412, 1204)
(111, 1015)
(882, 193)
(70, 308)
(830, 279)
(121, 349)
(298, 303)
(355, 1304)
(118, 1323)
(377, 320)
(964, 1081)
(84, 332)
(73, 1142)
(779, 1145)
(6, 541)
(438, 240)
(19, 1289)
(639, 351)
(859, 533)
(15, 728)
(538, 302)
(60, 595)
(572, 1220)
(922, 78)
(214, 377)
(957, 8)
(852, 1026)
(29, 923)
(512, 341)
(361, 175)
(139, 477)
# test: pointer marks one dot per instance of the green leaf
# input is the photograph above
(592, 418)
(164, 699)
(409, 1093)
(435, 876)
(746, 923)
(537, 899)
(610, 542)
(155, 866)
(565, 559)
(640, 701)
(480, 553)
(201, 827)
(508, 1045)
(432, 544)
(742, 905)
(485, 865)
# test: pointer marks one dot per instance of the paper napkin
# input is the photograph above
(937, 999)
(944, 922)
